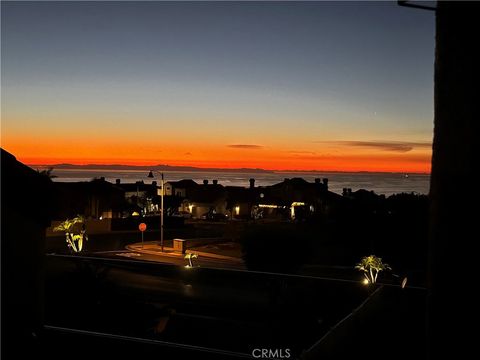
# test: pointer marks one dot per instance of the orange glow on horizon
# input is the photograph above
(204, 155)
(346, 164)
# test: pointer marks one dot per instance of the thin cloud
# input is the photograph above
(395, 146)
(301, 152)
(246, 146)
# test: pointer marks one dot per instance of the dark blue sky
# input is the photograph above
(317, 71)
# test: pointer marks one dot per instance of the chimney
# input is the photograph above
(317, 180)
(117, 181)
(252, 183)
(325, 182)
(215, 182)
(205, 182)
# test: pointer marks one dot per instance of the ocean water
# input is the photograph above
(381, 183)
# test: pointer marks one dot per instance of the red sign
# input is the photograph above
(142, 227)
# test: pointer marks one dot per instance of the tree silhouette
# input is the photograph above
(48, 173)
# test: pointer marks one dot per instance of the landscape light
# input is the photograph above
(190, 257)
(365, 282)
(298, 203)
(371, 266)
(73, 236)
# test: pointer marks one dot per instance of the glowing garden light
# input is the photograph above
(189, 257)
(73, 236)
(371, 267)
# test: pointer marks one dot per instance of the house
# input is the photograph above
(240, 200)
(141, 196)
(180, 188)
(139, 189)
(293, 198)
(206, 199)
(96, 199)
(301, 198)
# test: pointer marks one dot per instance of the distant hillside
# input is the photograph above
(148, 168)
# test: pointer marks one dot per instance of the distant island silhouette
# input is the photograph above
(158, 167)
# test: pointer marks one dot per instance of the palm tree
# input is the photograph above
(189, 257)
(73, 236)
(371, 266)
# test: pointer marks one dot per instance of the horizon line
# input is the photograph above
(230, 169)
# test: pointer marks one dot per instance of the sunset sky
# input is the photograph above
(302, 86)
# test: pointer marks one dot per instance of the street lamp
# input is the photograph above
(162, 193)
(161, 213)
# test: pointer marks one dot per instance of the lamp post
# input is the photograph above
(161, 212)
(162, 193)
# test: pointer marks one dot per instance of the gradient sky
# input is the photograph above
(316, 85)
